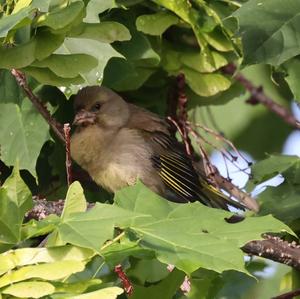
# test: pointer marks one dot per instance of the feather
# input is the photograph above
(178, 173)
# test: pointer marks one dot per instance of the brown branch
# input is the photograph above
(54, 124)
(180, 121)
(271, 247)
(43, 208)
(288, 295)
(184, 128)
(258, 96)
(275, 249)
(67, 130)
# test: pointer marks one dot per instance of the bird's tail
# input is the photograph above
(216, 199)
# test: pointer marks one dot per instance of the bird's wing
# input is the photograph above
(178, 173)
(183, 182)
(142, 119)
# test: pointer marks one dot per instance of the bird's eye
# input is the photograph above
(96, 107)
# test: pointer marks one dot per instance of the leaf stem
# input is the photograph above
(67, 130)
(116, 239)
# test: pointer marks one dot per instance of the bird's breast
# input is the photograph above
(115, 162)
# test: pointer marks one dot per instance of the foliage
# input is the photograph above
(137, 48)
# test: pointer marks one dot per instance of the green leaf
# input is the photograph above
(25, 133)
(32, 289)
(34, 228)
(166, 289)
(77, 287)
(200, 62)
(42, 6)
(46, 76)
(95, 7)
(139, 50)
(221, 98)
(206, 84)
(282, 201)
(270, 167)
(123, 75)
(8, 23)
(105, 32)
(292, 68)
(253, 128)
(191, 236)
(67, 66)
(148, 270)
(162, 20)
(218, 40)
(62, 17)
(269, 30)
(20, 5)
(18, 192)
(15, 201)
(9, 89)
(117, 252)
(19, 56)
(31, 256)
(92, 228)
(75, 200)
(103, 52)
(39, 47)
(107, 293)
(186, 12)
(230, 284)
(53, 271)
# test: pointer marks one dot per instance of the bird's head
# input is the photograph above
(95, 105)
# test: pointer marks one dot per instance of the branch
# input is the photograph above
(288, 295)
(184, 127)
(54, 124)
(258, 96)
(67, 130)
(271, 247)
(275, 249)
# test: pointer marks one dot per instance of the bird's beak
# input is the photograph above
(84, 118)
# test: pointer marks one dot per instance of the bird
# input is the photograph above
(118, 143)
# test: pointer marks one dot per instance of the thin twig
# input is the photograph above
(219, 137)
(219, 181)
(258, 96)
(54, 124)
(182, 134)
(208, 167)
(210, 171)
(288, 295)
(67, 130)
(116, 239)
(182, 113)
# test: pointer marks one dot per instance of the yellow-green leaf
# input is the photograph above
(75, 200)
(53, 271)
(30, 256)
(30, 289)
(107, 293)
